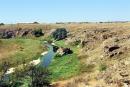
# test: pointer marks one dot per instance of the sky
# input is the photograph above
(14, 11)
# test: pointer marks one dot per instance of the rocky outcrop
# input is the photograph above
(113, 50)
(10, 33)
(64, 51)
(7, 34)
(114, 47)
(89, 39)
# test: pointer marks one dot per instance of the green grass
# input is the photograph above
(61, 43)
(64, 67)
(18, 50)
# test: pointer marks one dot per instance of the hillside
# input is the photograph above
(100, 58)
(104, 55)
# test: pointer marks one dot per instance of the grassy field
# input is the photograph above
(18, 50)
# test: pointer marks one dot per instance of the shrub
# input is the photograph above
(27, 75)
(1, 24)
(102, 67)
(37, 33)
(35, 22)
(40, 77)
(59, 34)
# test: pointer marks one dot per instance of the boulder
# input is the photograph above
(60, 51)
(8, 34)
(64, 51)
(112, 50)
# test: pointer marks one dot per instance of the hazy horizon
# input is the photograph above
(48, 11)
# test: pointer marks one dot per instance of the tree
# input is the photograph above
(35, 22)
(1, 24)
(59, 34)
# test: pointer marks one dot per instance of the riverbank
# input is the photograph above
(64, 67)
(17, 50)
(33, 62)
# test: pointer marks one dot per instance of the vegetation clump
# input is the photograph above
(1, 24)
(59, 34)
(27, 76)
(37, 32)
(35, 22)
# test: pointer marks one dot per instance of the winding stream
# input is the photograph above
(46, 59)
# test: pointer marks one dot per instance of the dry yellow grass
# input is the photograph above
(96, 56)
(74, 26)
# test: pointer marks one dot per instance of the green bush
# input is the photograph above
(59, 34)
(1, 24)
(37, 32)
(35, 22)
(29, 76)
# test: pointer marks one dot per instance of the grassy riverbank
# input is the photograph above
(17, 51)
(66, 66)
